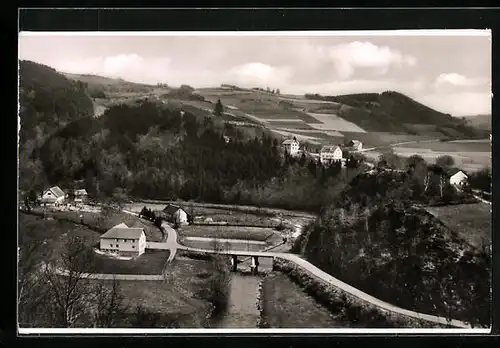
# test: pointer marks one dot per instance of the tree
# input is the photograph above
(277, 91)
(109, 304)
(445, 161)
(69, 293)
(218, 109)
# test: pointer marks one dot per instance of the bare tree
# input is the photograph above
(66, 282)
(109, 304)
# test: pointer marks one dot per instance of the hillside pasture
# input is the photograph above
(454, 146)
(373, 139)
(332, 122)
(425, 129)
(468, 161)
(471, 221)
(290, 124)
(299, 137)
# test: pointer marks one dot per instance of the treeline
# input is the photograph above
(373, 237)
(149, 151)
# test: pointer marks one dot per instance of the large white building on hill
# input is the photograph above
(291, 146)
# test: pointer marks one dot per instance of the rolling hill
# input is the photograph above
(482, 122)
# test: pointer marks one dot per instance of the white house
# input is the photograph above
(176, 214)
(291, 146)
(80, 196)
(53, 196)
(124, 240)
(226, 139)
(356, 145)
(459, 179)
(329, 154)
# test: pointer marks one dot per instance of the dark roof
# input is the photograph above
(122, 231)
(171, 209)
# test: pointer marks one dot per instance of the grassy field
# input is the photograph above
(232, 216)
(151, 262)
(471, 221)
(52, 233)
(334, 123)
(230, 232)
(179, 300)
(468, 161)
(103, 223)
(455, 146)
(372, 139)
(286, 305)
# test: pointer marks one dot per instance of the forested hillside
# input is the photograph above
(374, 237)
(147, 150)
(394, 112)
(48, 100)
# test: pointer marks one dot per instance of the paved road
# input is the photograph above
(174, 246)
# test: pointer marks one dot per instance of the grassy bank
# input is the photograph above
(284, 304)
(346, 307)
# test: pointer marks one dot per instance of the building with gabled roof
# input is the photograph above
(124, 240)
(176, 214)
(53, 196)
(356, 145)
(329, 154)
(459, 179)
(291, 146)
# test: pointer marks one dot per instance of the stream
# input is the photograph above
(242, 310)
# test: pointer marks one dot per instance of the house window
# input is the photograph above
(117, 240)
(117, 246)
(133, 246)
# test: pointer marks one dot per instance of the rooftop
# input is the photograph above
(56, 191)
(122, 231)
(330, 148)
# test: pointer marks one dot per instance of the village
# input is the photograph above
(128, 242)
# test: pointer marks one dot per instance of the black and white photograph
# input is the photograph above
(291, 181)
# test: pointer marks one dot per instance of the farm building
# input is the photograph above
(291, 146)
(356, 145)
(80, 196)
(176, 214)
(459, 179)
(124, 240)
(53, 196)
(330, 154)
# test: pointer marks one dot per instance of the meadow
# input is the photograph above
(471, 221)
(334, 122)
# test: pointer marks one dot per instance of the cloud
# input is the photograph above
(458, 80)
(131, 67)
(459, 103)
(351, 56)
(258, 74)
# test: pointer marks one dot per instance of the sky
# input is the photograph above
(450, 73)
